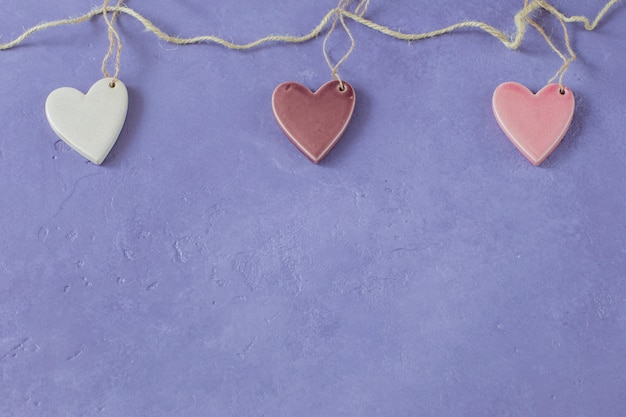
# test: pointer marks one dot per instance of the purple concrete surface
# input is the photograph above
(207, 268)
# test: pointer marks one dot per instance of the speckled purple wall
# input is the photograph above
(207, 268)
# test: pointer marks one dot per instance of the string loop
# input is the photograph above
(339, 16)
(567, 60)
(115, 43)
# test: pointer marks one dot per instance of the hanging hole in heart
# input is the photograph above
(112, 84)
(562, 91)
(342, 88)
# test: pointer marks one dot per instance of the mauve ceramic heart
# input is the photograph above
(535, 123)
(314, 122)
(89, 123)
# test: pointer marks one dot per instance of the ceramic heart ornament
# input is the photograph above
(535, 123)
(314, 122)
(89, 123)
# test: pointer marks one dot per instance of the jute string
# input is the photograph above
(360, 10)
(521, 19)
(115, 43)
(567, 60)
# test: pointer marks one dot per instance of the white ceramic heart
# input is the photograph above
(89, 123)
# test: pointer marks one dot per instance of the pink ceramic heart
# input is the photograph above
(535, 123)
(314, 122)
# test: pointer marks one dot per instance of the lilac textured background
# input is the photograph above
(425, 268)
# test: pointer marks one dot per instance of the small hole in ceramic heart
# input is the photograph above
(112, 84)
(342, 88)
(562, 91)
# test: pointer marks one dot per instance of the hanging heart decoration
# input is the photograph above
(535, 123)
(314, 122)
(89, 123)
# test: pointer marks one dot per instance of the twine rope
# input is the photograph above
(521, 19)
(360, 10)
(114, 42)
